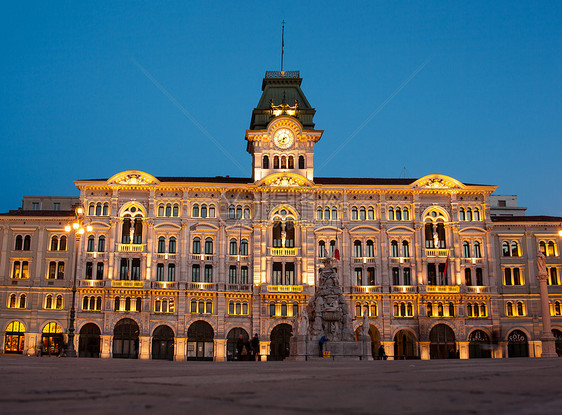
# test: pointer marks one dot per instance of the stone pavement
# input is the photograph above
(91, 386)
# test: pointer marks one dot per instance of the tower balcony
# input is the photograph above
(283, 251)
(127, 284)
(130, 247)
(451, 289)
(436, 252)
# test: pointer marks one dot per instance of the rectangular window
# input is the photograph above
(277, 273)
(56, 206)
(442, 276)
(289, 273)
(89, 270)
(99, 271)
(358, 276)
(407, 277)
(195, 273)
(431, 274)
(208, 273)
(124, 270)
(35, 206)
(171, 272)
(370, 276)
(52, 270)
(135, 269)
(159, 272)
(232, 275)
(395, 276)
(244, 275)
(25, 269)
(60, 271)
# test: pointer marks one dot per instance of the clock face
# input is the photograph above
(283, 138)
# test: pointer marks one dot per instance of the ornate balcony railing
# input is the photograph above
(239, 287)
(400, 260)
(442, 289)
(282, 74)
(364, 260)
(436, 252)
(202, 257)
(472, 260)
(165, 255)
(202, 286)
(127, 284)
(478, 289)
(240, 258)
(165, 285)
(283, 251)
(130, 247)
(92, 283)
(284, 288)
(365, 289)
(96, 254)
(404, 289)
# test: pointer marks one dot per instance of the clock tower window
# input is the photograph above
(291, 163)
(301, 162)
(283, 162)
(276, 162)
(265, 163)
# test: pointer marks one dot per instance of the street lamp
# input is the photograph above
(78, 227)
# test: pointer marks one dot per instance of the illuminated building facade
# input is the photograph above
(179, 267)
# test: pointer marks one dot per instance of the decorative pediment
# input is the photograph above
(133, 177)
(437, 181)
(284, 180)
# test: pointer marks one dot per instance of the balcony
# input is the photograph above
(478, 289)
(404, 289)
(366, 289)
(238, 258)
(165, 256)
(202, 286)
(127, 284)
(130, 247)
(92, 283)
(472, 261)
(202, 257)
(442, 289)
(239, 287)
(400, 260)
(284, 288)
(434, 252)
(164, 285)
(283, 251)
(364, 260)
(95, 254)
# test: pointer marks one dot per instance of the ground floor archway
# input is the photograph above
(517, 344)
(280, 341)
(558, 339)
(479, 345)
(126, 339)
(200, 344)
(14, 338)
(405, 345)
(231, 339)
(375, 340)
(89, 344)
(442, 345)
(163, 343)
(52, 339)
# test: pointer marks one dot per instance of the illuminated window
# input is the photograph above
(370, 249)
(161, 245)
(101, 243)
(265, 163)
(357, 249)
(244, 275)
(322, 249)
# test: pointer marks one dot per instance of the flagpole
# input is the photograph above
(282, 43)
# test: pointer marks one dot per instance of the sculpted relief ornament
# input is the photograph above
(133, 179)
(285, 182)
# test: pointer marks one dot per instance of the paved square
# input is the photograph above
(90, 386)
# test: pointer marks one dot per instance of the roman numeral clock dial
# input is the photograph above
(283, 138)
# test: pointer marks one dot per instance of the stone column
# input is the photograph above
(548, 341)
(179, 348)
(264, 350)
(106, 341)
(220, 350)
(424, 350)
(144, 347)
(463, 349)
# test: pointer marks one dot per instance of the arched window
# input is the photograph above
(520, 309)
(479, 278)
(246, 212)
(203, 210)
(272, 309)
(106, 209)
(168, 209)
(23, 299)
(291, 164)
(334, 213)
(451, 310)
(161, 209)
(265, 163)
(196, 248)
(98, 209)
(195, 211)
(321, 249)
(476, 214)
(542, 247)
(101, 243)
(161, 245)
(461, 214)
(283, 162)
(176, 210)
(354, 213)
(429, 309)
(371, 213)
(551, 249)
(405, 214)
(301, 162)
(27, 243)
(405, 249)
(440, 310)
(319, 213)
(54, 243)
(357, 249)
(477, 251)
(403, 310)
(483, 311)
(327, 213)
(391, 213)
(233, 248)
(232, 212)
(159, 272)
(19, 243)
(91, 209)
(362, 213)
(171, 272)
(284, 309)
(49, 301)
(505, 248)
(514, 248)
(276, 162)
(410, 310)
(469, 310)
(468, 214)
(91, 243)
(117, 304)
(238, 212)
(58, 305)
(172, 245)
(398, 214)
(468, 276)
(509, 309)
(209, 246)
(370, 249)
(394, 249)
(466, 249)
(244, 247)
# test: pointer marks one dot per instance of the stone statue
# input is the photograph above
(303, 324)
(365, 326)
(283, 236)
(131, 234)
(436, 239)
(541, 265)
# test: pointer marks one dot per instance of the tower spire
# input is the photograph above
(282, 42)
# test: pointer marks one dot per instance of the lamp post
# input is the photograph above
(78, 227)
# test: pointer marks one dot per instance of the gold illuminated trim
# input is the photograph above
(284, 288)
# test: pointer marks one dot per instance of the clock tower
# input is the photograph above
(281, 137)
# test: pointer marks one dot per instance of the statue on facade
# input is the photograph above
(131, 234)
(541, 265)
(436, 239)
(365, 326)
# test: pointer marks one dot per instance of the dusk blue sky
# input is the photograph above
(486, 108)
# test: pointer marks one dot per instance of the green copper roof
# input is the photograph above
(281, 87)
